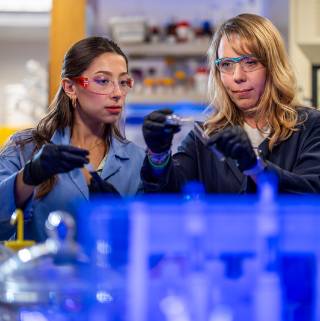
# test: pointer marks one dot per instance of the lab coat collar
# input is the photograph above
(61, 136)
(117, 153)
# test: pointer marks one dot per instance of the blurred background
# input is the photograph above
(166, 43)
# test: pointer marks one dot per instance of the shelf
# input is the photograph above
(24, 26)
(197, 48)
(160, 97)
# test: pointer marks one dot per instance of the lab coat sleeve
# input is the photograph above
(181, 168)
(304, 178)
(11, 161)
(9, 168)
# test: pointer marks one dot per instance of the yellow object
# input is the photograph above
(68, 25)
(180, 75)
(149, 82)
(168, 82)
(5, 133)
(20, 243)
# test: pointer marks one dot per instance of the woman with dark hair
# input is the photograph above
(257, 125)
(78, 148)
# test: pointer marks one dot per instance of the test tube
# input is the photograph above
(176, 120)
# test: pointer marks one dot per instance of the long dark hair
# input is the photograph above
(61, 115)
(77, 59)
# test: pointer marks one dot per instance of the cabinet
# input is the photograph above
(197, 48)
(306, 26)
(304, 41)
(306, 21)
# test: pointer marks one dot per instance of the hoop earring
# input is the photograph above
(74, 101)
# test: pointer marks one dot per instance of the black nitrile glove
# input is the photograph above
(99, 186)
(234, 142)
(51, 160)
(157, 134)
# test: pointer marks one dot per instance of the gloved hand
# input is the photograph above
(234, 142)
(157, 134)
(51, 160)
(99, 186)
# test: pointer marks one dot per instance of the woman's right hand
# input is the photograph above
(157, 133)
(51, 160)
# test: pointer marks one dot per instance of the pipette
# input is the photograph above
(176, 120)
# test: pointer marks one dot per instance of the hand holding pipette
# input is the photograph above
(158, 130)
(160, 126)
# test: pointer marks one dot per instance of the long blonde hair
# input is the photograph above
(278, 103)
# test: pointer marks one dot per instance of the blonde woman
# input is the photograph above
(258, 124)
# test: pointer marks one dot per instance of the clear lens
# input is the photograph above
(103, 85)
(107, 86)
(226, 65)
(248, 63)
